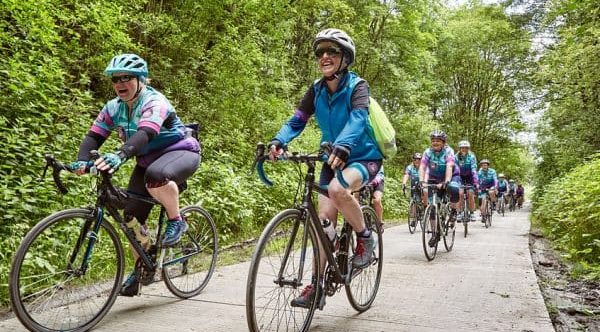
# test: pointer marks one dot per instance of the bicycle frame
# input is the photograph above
(307, 205)
(108, 199)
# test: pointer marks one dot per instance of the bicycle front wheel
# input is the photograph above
(189, 265)
(448, 232)
(57, 281)
(412, 217)
(429, 232)
(488, 212)
(285, 259)
(364, 284)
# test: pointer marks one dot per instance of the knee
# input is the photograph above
(377, 200)
(338, 193)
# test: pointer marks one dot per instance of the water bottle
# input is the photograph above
(330, 232)
(141, 232)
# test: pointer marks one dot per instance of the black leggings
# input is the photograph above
(176, 166)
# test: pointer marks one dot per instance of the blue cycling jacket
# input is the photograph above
(338, 121)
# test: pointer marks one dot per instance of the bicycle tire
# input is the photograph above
(488, 219)
(466, 226)
(76, 300)
(449, 233)
(364, 286)
(412, 219)
(265, 311)
(427, 234)
(188, 277)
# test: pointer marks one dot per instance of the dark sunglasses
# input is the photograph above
(331, 50)
(122, 79)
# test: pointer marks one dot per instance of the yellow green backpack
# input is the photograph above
(381, 130)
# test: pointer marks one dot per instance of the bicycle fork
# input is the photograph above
(92, 236)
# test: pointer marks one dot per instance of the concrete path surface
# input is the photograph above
(486, 283)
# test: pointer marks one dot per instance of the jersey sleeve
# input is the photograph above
(154, 112)
(296, 124)
(103, 124)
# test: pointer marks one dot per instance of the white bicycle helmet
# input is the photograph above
(339, 37)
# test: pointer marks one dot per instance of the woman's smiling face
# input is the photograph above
(329, 58)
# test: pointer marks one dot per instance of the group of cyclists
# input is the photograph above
(166, 156)
(457, 174)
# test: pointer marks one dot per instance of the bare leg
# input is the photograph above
(168, 196)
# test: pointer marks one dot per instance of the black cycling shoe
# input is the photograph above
(131, 287)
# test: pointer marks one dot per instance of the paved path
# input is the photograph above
(486, 283)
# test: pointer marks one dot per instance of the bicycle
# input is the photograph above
(287, 254)
(66, 274)
(466, 213)
(415, 209)
(437, 217)
(501, 203)
(512, 202)
(365, 197)
(486, 216)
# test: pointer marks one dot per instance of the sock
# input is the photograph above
(178, 218)
(365, 233)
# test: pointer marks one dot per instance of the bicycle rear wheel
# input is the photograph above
(189, 265)
(429, 225)
(274, 277)
(412, 217)
(49, 289)
(364, 285)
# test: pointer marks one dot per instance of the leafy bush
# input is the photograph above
(569, 213)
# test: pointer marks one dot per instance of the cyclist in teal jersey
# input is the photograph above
(378, 185)
(502, 187)
(412, 172)
(438, 167)
(340, 103)
(467, 163)
(152, 132)
(487, 182)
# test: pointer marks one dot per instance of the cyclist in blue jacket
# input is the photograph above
(340, 103)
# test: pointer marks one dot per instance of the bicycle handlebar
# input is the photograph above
(58, 167)
(322, 155)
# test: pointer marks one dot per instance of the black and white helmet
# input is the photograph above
(339, 37)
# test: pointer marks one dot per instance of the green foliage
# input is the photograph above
(482, 60)
(569, 69)
(236, 67)
(569, 213)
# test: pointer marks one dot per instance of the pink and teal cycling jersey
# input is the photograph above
(435, 163)
(413, 173)
(152, 110)
(487, 179)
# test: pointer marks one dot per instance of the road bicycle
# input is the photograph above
(465, 212)
(415, 209)
(365, 197)
(501, 203)
(67, 272)
(437, 223)
(512, 202)
(486, 216)
(287, 254)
